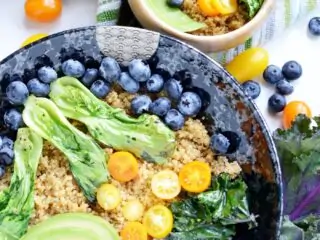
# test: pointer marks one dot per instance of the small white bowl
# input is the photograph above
(207, 44)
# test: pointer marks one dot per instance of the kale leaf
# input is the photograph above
(299, 153)
(212, 214)
(253, 6)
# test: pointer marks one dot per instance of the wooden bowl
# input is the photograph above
(207, 44)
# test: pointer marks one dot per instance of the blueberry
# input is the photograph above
(277, 103)
(155, 83)
(284, 87)
(7, 142)
(173, 89)
(13, 119)
(140, 104)
(174, 119)
(89, 77)
(219, 143)
(110, 69)
(160, 106)
(234, 140)
(43, 60)
(175, 3)
(292, 70)
(38, 88)
(90, 62)
(2, 171)
(47, 74)
(128, 83)
(189, 104)
(252, 89)
(73, 68)
(29, 74)
(6, 155)
(272, 74)
(314, 26)
(17, 93)
(100, 89)
(139, 70)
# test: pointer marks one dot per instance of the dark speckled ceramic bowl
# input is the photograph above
(226, 106)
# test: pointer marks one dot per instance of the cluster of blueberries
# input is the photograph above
(280, 78)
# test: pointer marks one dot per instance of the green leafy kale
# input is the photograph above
(147, 136)
(212, 214)
(299, 153)
(304, 229)
(253, 6)
(17, 201)
(87, 160)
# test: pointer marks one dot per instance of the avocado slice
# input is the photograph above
(174, 17)
(72, 226)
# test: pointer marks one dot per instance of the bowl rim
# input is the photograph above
(257, 115)
(260, 16)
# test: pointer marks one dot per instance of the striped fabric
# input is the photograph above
(285, 14)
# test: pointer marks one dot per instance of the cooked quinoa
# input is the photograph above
(218, 24)
(56, 191)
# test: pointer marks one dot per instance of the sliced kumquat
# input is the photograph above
(165, 184)
(207, 8)
(123, 166)
(195, 176)
(159, 221)
(134, 231)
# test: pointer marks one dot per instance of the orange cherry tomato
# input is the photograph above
(134, 231)
(292, 110)
(123, 166)
(207, 8)
(195, 176)
(225, 6)
(43, 10)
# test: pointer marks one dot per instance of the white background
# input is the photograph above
(295, 44)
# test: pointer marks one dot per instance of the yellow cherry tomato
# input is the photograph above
(43, 10)
(195, 176)
(134, 231)
(225, 6)
(165, 184)
(123, 166)
(292, 110)
(248, 64)
(33, 38)
(159, 221)
(207, 8)
(108, 196)
(133, 210)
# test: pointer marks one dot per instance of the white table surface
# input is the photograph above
(295, 44)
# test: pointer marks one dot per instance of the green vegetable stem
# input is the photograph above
(147, 136)
(17, 201)
(87, 160)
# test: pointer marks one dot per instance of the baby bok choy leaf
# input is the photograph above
(212, 214)
(87, 160)
(147, 136)
(17, 201)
